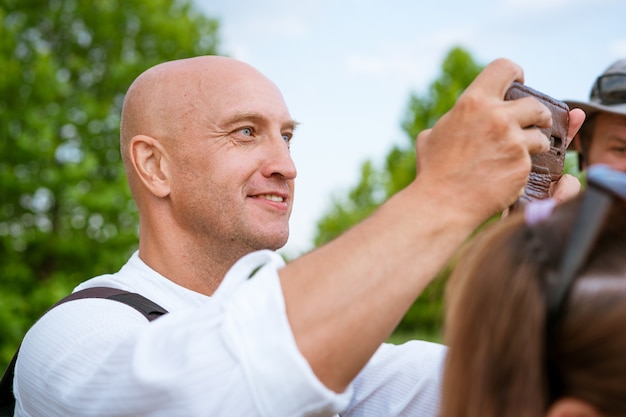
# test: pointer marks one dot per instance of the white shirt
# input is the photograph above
(232, 354)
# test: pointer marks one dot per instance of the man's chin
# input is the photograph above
(276, 240)
(265, 238)
(277, 243)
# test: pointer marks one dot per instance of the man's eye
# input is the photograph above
(619, 150)
(287, 137)
(246, 131)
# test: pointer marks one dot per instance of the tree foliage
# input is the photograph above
(398, 170)
(65, 210)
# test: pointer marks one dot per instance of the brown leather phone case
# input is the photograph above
(546, 167)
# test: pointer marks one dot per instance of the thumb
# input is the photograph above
(568, 186)
(420, 143)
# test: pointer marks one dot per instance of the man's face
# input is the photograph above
(608, 145)
(233, 176)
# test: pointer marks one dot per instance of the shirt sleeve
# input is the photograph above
(399, 381)
(233, 356)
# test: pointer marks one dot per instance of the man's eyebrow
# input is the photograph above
(292, 124)
(617, 139)
(258, 118)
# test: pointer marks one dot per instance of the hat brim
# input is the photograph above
(592, 108)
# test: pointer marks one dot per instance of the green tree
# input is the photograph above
(399, 168)
(65, 211)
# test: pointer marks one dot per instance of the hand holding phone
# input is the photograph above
(546, 167)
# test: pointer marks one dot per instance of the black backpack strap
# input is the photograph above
(7, 399)
(149, 309)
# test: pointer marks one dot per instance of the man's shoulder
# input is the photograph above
(107, 280)
(124, 279)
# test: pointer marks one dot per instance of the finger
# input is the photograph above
(576, 119)
(530, 112)
(565, 188)
(496, 78)
(535, 141)
(423, 135)
(420, 142)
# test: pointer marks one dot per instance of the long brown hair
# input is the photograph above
(496, 321)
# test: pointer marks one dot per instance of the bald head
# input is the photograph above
(164, 100)
(160, 100)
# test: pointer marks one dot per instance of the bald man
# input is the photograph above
(205, 143)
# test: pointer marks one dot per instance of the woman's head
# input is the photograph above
(503, 360)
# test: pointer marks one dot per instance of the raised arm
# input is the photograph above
(345, 298)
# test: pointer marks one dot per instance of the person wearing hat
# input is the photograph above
(602, 138)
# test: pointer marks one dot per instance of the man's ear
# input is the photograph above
(151, 167)
(572, 407)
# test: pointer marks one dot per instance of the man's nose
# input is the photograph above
(278, 159)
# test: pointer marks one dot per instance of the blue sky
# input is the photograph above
(347, 68)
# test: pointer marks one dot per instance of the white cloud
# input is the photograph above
(618, 47)
(413, 58)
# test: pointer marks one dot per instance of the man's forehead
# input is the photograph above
(252, 99)
(611, 118)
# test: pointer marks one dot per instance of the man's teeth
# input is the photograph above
(271, 197)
